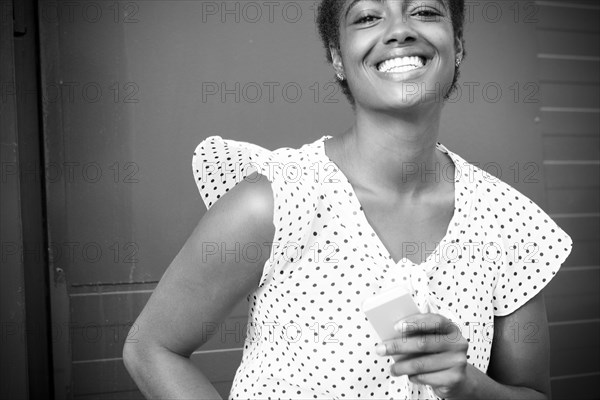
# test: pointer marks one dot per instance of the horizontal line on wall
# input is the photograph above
(575, 215)
(98, 360)
(101, 284)
(122, 394)
(570, 109)
(580, 268)
(575, 134)
(574, 322)
(582, 375)
(567, 82)
(570, 57)
(116, 292)
(567, 5)
(197, 352)
(571, 162)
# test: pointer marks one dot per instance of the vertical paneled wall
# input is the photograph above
(569, 60)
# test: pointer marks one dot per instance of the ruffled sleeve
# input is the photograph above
(219, 164)
(533, 248)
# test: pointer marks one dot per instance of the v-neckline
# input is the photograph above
(361, 213)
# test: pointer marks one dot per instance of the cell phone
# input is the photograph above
(388, 307)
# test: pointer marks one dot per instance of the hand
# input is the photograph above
(431, 350)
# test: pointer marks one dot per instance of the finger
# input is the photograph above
(444, 383)
(425, 322)
(425, 343)
(407, 356)
(428, 364)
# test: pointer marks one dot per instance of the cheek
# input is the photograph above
(353, 47)
(444, 41)
(356, 46)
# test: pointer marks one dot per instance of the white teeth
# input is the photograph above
(401, 64)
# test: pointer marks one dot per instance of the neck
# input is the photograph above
(394, 154)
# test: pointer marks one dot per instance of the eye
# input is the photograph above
(366, 19)
(427, 13)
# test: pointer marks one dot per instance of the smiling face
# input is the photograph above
(397, 54)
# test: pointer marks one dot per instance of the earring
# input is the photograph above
(458, 61)
(340, 76)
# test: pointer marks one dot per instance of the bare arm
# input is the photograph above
(198, 289)
(520, 359)
(519, 364)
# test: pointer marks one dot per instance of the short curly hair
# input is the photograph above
(328, 18)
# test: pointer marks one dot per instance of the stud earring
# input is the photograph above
(340, 76)
(458, 61)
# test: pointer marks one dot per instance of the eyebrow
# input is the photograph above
(354, 2)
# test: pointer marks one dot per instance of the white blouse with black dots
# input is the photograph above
(308, 337)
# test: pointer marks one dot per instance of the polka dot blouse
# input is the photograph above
(307, 336)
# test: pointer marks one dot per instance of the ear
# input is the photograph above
(458, 47)
(336, 60)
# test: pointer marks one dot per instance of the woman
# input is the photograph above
(345, 217)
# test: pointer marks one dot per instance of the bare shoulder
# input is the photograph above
(249, 201)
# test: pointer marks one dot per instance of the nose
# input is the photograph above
(399, 29)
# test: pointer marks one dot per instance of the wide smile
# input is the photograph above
(402, 67)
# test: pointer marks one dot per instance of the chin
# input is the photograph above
(398, 95)
(404, 102)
